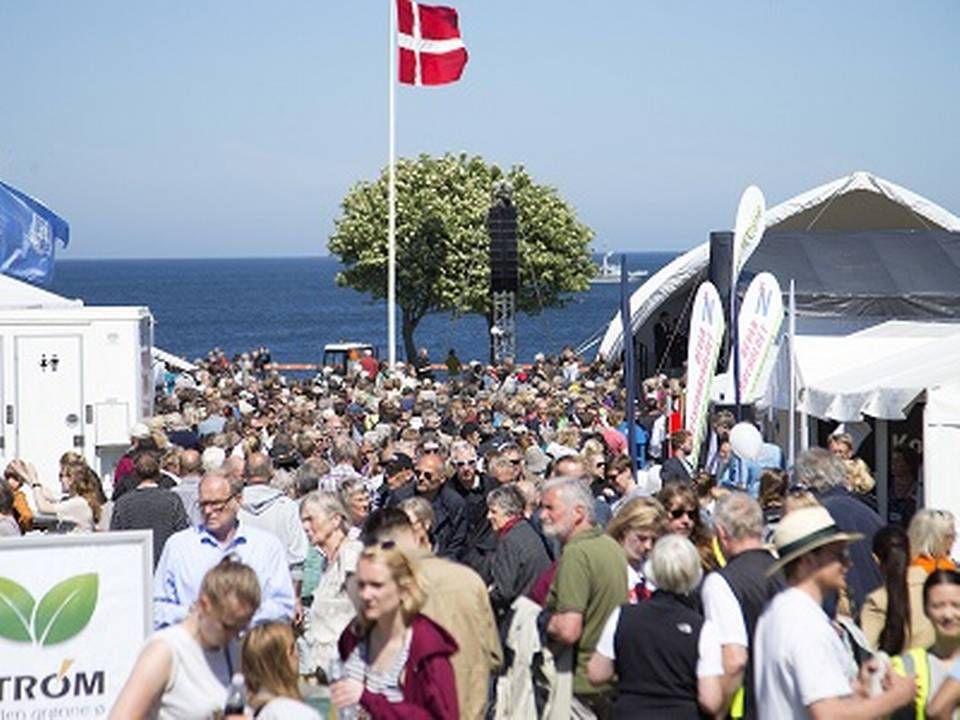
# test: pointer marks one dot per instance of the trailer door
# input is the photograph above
(48, 413)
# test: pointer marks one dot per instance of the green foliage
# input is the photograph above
(442, 242)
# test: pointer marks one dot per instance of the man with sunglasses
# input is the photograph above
(472, 485)
(449, 509)
(189, 553)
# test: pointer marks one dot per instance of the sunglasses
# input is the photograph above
(215, 505)
(461, 463)
(678, 513)
(425, 474)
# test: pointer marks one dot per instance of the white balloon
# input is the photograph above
(746, 441)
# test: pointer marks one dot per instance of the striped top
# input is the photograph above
(385, 683)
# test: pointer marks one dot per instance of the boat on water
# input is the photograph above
(608, 273)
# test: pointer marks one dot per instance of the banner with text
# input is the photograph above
(748, 229)
(761, 316)
(706, 335)
(74, 611)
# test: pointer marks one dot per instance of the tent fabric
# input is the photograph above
(902, 274)
(861, 201)
(172, 360)
(879, 372)
(19, 295)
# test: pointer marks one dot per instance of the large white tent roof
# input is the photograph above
(860, 201)
(878, 372)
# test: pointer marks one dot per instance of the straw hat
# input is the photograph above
(804, 530)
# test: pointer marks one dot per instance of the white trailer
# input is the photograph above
(72, 377)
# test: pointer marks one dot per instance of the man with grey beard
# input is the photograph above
(591, 582)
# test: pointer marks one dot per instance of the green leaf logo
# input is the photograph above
(61, 614)
(66, 609)
(16, 611)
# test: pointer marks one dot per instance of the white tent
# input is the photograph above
(860, 201)
(18, 295)
(881, 372)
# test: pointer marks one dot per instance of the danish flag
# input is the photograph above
(431, 51)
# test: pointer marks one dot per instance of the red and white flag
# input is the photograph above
(431, 51)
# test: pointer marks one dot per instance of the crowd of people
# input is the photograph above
(483, 546)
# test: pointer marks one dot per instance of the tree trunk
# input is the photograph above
(409, 344)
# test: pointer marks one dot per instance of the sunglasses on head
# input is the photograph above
(678, 513)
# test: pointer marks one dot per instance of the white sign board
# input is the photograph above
(74, 612)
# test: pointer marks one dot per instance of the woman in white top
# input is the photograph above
(269, 661)
(183, 671)
(325, 522)
(82, 505)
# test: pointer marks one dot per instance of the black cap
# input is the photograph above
(398, 463)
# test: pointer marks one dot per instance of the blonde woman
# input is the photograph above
(397, 661)
(637, 525)
(183, 670)
(932, 534)
(268, 659)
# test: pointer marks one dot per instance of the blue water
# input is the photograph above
(293, 306)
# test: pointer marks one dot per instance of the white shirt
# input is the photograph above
(197, 686)
(720, 606)
(798, 658)
(283, 708)
(709, 654)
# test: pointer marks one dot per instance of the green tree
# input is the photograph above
(442, 242)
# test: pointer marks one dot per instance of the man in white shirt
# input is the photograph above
(801, 666)
(735, 596)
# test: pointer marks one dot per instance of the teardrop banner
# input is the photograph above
(706, 335)
(748, 229)
(761, 317)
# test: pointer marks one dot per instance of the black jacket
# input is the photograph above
(449, 518)
(519, 559)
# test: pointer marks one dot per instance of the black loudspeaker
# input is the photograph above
(720, 269)
(502, 226)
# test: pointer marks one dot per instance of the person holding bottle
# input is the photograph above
(183, 671)
(397, 661)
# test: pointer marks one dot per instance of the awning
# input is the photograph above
(879, 372)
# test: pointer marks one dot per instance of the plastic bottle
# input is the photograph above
(338, 672)
(236, 701)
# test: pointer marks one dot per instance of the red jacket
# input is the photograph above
(429, 687)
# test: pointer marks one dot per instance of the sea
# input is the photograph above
(294, 307)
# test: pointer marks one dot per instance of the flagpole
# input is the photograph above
(392, 195)
(792, 404)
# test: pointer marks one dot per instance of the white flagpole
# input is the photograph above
(792, 405)
(392, 196)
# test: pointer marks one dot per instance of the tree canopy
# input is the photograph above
(442, 243)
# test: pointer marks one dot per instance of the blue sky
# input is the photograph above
(233, 128)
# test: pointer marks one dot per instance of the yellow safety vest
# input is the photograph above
(915, 662)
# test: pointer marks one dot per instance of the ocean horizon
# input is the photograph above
(293, 306)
